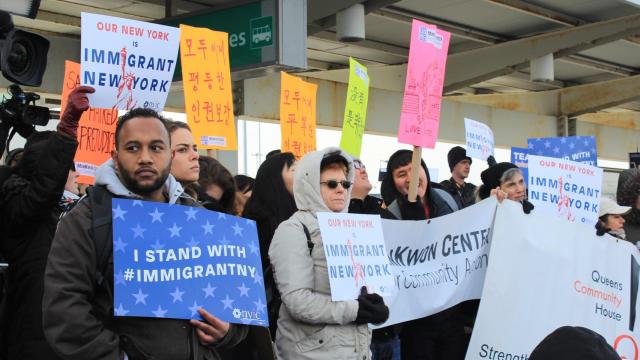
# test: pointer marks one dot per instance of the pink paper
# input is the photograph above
(420, 115)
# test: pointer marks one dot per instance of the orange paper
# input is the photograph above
(206, 77)
(96, 130)
(297, 115)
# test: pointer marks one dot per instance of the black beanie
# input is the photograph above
(574, 343)
(455, 155)
(491, 177)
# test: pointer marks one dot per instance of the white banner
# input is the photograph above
(565, 188)
(356, 255)
(437, 263)
(480, 143)
(546, 273)
(130, 63)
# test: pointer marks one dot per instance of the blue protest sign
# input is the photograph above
(519, 157)
(575, 148)
(170, 260)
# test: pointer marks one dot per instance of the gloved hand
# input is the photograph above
(77, 103)
(411, 210)
(527, 207)
(371, 308)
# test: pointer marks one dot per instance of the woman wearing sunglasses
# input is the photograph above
(310, 325)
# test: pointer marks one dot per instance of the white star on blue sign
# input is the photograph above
(260, 307)
(119, 278)
(193, 242)
(140, 297)
(257, 279)
(208, 291)
(137, 203)
(191, 214)
(227, 302)
(237, 229)
(208, 228)
(175, 230)
(157, 245)
(159, 312)
(156, 216)
(120, 311)
(138, 231)
(222, 216)
(119, 245)
(194, 308)
(177, 295)
(253, 248)
(244, 291)
(118, 213)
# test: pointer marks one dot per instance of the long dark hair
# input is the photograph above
(213, 172)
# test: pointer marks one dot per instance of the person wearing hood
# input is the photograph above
(505, 181)
(310, 325)
(31, 195)
(628, 194)
(611, 218)
(460, 164)
(78, 301)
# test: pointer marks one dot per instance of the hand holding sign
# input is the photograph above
(211, 330)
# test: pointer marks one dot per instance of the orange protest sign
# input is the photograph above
(96, 130)
(206, 77)
(297, 115)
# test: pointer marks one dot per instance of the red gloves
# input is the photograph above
(77, 103)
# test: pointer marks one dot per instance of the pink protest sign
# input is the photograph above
(420, 116)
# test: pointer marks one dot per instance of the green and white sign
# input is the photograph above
(262, 32)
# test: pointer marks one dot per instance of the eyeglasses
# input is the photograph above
(332, 184)
(357, 164)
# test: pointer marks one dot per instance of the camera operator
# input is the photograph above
(29, 209)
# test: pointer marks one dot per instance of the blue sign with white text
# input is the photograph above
(581, 149)
(170, 260)
(519, 157)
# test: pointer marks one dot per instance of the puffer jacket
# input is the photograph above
(310, 325)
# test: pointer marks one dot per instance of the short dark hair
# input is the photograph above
(173, 125)
(138, 112)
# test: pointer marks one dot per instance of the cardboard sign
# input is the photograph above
(480, 142)
(356, 255)
(208, 98)
(575, 148)
(170, 260)
(130, 63)
(96, 130)
(565, 188)
(355, 110)
(297, 115)
(520, 158)
(420, 116)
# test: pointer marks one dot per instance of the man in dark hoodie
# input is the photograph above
(439, 336)
(460, 165)
(78, 305)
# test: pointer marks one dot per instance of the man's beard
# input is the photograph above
(131, 183)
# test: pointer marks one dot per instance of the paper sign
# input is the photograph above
(96, 130)
(420, 115)
(567, 189)
(575, 148)
(170, 260)
(130, 63)
(519, 157)
(355, 111)
(208, 98)
(480, 142)
(356, 255)
(297, 115)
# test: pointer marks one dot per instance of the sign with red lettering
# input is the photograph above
(297, 115)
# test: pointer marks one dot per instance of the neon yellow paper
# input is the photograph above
(355, 111)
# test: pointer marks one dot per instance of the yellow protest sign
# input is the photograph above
(297, 115)
(206, 78)
(355, 110)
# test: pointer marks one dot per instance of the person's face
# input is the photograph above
(184, 166)
(72, 183)
(143, 157)
(614, 222)
(515, 188)
(287, 176)
(402, 179)
(361, 183)
(336, 198)
(462, 169)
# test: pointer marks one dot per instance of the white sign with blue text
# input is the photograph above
(356, 255)
(565, 188)
(130, 63)
(480, 142)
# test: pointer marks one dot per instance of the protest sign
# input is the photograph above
(437, 263)
(297, 115)
(355, 110)
(130, 63)
(96, 130)
(169, 261)
(565, 188)
(546, 273)
(575, 148)
(420, 114)
(208, 101)
(356, 255)
(480, 142)
(519, 157)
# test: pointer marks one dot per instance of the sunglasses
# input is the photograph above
(357, 164)
(332, 184)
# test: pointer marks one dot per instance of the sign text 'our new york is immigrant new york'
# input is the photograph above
(171, 260)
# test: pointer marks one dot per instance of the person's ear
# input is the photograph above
(114, 157)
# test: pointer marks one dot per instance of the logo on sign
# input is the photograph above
(261, 32)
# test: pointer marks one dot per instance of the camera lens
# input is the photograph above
(19, 57)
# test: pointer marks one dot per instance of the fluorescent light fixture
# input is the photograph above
(26, 8)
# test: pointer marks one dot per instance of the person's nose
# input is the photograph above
(145, 156)
(194, 155)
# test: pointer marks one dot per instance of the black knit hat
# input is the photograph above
(491, 177)
(574, 343)
(455, 155)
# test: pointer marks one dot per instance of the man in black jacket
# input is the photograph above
(460, 165)
(29, 211)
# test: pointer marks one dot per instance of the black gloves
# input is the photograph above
(527, 206)
(371, 308)
(411, 210)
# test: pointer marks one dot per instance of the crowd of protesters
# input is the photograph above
(58, 298)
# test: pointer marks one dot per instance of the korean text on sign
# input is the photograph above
(355, 110)
(297, 115)
(208, 98)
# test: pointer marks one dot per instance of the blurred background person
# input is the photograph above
(216, 188)
(244, 189)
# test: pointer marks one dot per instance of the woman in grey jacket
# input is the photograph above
(310, 325)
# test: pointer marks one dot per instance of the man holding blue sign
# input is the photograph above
(78, 296)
